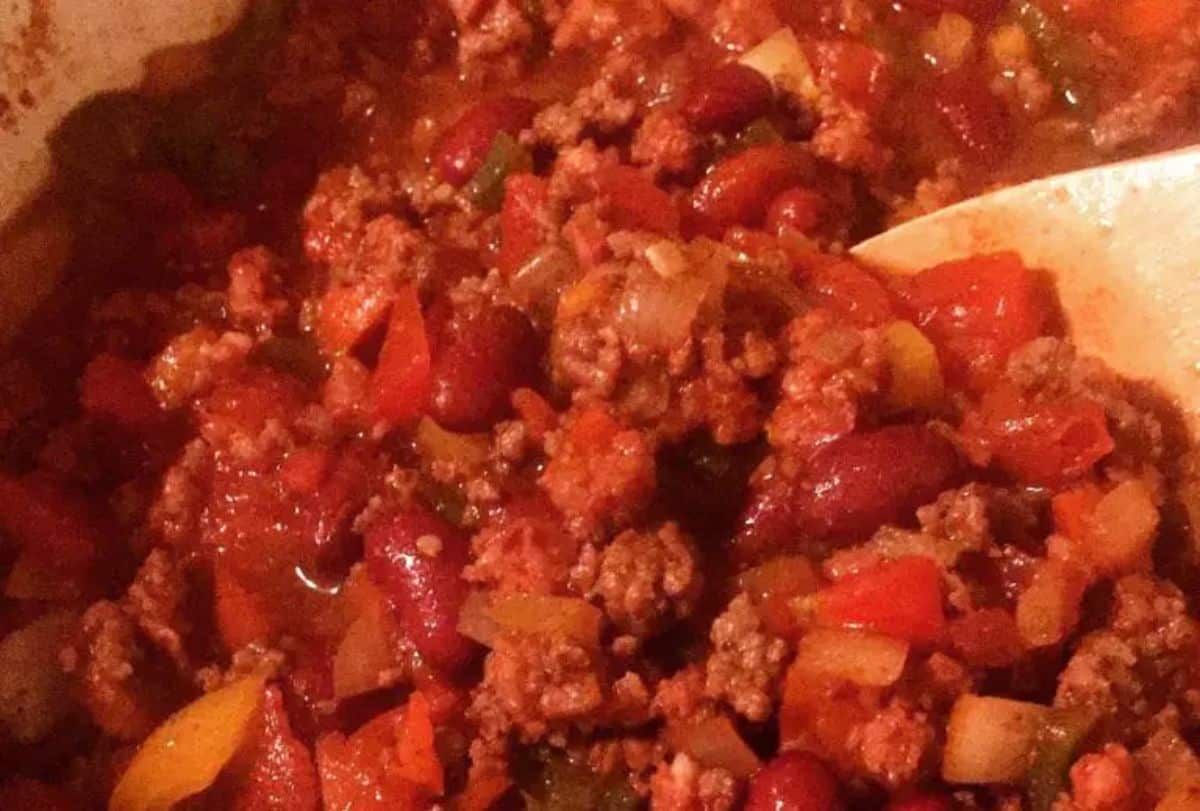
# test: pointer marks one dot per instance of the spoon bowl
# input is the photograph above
(1122, 244)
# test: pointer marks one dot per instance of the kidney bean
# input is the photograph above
(977, 119)
(417, 559)
(727, 99)
(857, 72)
(863, 480)
(460, 151)
(478, 361)
(739, 189)
(794, 781)
(799, 209)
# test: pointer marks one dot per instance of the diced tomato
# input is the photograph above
(925, 801)
(631, 201)
(305, 469)
(483, 791)
(246, 403)
(1047, 443)
(740, 188)
(114, 387)
(348, 313)
(282, 776)
(978, 120)
(1071, 509)
(977, 311)
(979, 10)
(856, 72)
(539, 416)
(417, 560)
(479, 358)
(464, 145)
(401, 384)
(416, 758)
(521, 215)
(1149, 20)
(851, 292)
(358, 773)
(902, 598)
(51, 525)
(241, 615)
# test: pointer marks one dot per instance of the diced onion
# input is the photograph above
(1048, 609)
(780, 58)
(871, 660)
(461, 450)
(948, 44)
(990, 740)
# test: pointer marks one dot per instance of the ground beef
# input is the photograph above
(600, 108)
(891, 747)
(681, 696)
(253, 282)
(600, 474)
(746, 662)
(959, 517)
(1165, 100)
(665, 143)
(683, 785)
(524, 549)
(192, 362)
(336, 213)
(648, 580)
(1142, 662)
(534, 684)
(846, 138)
(157, 602)
(599, 22)
(495, 44)
(1101, 781)
(832, 367)
(109, 665)
(174, 515)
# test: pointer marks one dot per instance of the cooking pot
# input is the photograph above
(53, 55)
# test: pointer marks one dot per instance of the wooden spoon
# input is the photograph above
(1122, 243)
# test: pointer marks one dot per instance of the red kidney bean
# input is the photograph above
(857, 483)
(799, 209)
(417, 559)
(977, 119)
(727, 99)
(857, 72)
(739, 189)
(463, 146)
(477, 362)
(794, 781)
(926, 801)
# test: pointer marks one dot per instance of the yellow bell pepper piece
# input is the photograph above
(916, 373)
(188, 750)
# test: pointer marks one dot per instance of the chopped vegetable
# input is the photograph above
(35, 693)
(486, 615)
(780, 58)
(715, 743)
(1048, 609)
(553, 781)
(1121, 527)
(916, 380)
(401, 384)
(773, 585)
(464, 451)
(416, 758)
(902, 598)
(872, 660)
(505, 157)
(1057, 741)
(366, 658)
(991, 740)
(187, 752)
